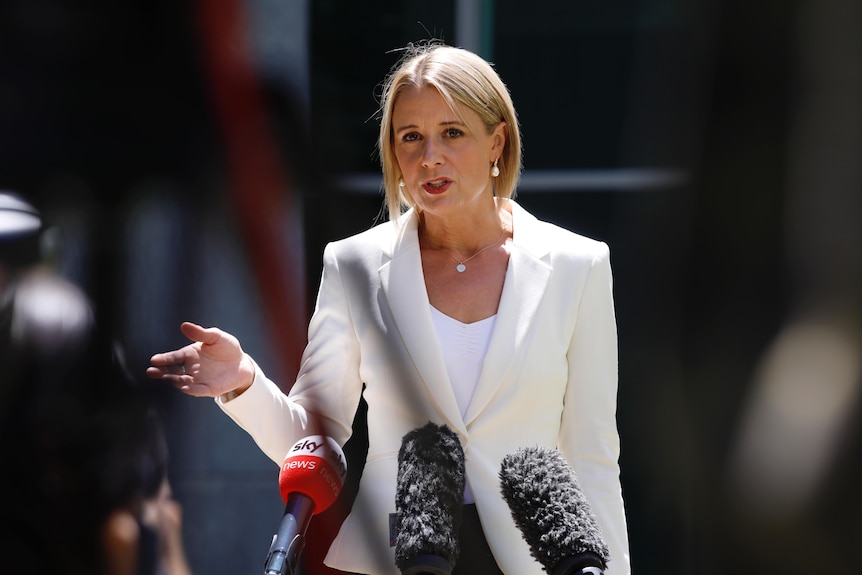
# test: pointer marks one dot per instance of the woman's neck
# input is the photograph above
(468, 233)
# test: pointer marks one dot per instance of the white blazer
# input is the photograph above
(549, 378)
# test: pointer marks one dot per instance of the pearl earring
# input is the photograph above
(495, 171)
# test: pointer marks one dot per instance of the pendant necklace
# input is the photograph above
(462, 264)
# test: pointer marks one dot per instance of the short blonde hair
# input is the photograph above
(461, 77)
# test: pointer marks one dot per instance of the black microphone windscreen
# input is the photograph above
(550, 508)
(429, 495)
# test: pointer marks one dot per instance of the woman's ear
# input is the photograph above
(498, 137)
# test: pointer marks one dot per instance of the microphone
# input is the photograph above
(552, 512)
(310, 480)
(429, 500)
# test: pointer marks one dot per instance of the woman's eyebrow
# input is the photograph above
(443, 124)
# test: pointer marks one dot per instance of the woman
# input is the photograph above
(464, 310)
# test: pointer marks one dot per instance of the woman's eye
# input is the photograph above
(410, 137)
(453, 132)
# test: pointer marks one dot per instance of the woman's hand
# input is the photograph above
(213, 365)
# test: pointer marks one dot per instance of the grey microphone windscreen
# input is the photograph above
(551, 511)
(429, 500)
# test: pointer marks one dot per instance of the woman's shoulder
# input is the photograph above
(555, 238)
(379, 233)
(369, 243)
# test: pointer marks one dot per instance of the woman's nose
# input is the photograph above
(431, 155)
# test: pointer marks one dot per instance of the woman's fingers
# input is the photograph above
(199, 333)
(213, 343)
(166, 358)
(210, 366)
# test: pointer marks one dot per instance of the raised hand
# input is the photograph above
(214, 364)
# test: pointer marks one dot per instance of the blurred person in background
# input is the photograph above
(85, 465)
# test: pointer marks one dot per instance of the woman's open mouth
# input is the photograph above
(437, 186)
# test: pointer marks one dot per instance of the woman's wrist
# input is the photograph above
(247, 373)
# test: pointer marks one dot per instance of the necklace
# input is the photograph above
(462, 264)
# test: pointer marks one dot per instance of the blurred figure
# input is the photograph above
(793, 469)
(142, 533)
(86, 460)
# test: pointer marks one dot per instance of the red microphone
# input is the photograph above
(310, 480)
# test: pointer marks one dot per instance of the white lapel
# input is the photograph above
(526, 279)
(404, 285)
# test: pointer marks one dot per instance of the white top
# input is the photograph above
(464, 346)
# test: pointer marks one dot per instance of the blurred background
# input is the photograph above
(191, 160)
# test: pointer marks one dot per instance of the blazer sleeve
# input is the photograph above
(324, 398)
(588, 434)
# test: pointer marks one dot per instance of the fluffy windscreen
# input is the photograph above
(549, 507)
(429, 495)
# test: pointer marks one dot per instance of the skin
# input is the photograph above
(213, 364)
(121, 535)
(445, 158)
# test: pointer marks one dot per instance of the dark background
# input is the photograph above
(191, 177)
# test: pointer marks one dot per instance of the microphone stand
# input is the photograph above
(289, 542)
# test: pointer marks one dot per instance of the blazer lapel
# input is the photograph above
(526, 279)
(404, 285)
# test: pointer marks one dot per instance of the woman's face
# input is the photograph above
(445, 156)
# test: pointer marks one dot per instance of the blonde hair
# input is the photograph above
(461, 77)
